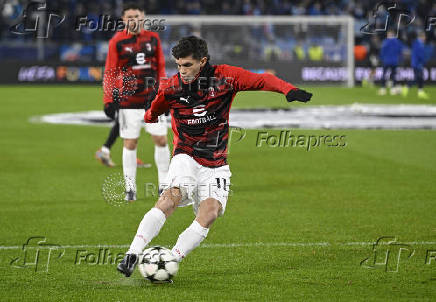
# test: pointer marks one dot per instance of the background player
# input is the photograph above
(136, 51)
(420, 56)
(390, 56)
(199, 99)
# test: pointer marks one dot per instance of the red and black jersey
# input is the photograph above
(134, 56)
(200, 110)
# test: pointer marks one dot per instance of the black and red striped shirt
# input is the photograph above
(133, 56)
(200, 110)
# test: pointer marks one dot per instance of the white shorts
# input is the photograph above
(131, 121)
(197, 182)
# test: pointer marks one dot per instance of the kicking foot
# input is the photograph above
(128, 264)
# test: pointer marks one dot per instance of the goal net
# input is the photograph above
(299, 49)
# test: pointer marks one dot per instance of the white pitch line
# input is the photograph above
(398, 242)
(227, 245)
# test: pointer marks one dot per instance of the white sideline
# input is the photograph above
(229, 245)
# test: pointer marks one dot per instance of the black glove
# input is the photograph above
(298, 95)
(148, 99)
(110, 109)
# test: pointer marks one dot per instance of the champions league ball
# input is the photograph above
(158, 265)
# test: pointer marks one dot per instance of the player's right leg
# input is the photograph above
(149, 228)
(179, 191)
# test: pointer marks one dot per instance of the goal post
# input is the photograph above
(317, 49)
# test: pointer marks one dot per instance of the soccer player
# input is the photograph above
(390, 55)
(199, 97)
(137, 53)
(419, 58)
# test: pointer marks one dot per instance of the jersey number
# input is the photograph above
(218, 183)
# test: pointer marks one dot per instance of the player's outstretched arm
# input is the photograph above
(243, 80)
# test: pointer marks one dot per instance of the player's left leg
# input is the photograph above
(208, 212)
(149, 227)
(213, 191)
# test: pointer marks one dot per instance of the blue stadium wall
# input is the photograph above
(298, 72)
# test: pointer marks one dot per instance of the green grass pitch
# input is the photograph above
(292, 228)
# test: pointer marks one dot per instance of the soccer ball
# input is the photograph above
(158, 265)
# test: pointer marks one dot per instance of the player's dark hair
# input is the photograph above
(132, 5)
(191, 45)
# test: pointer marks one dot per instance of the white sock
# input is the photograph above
(189, 240)
(105, 150)
(129, 168)
(148, 229)
(162, 160)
